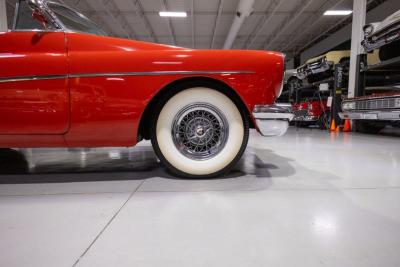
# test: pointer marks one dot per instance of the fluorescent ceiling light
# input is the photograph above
(173, 14)
(338, 12)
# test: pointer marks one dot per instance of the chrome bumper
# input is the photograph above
(305, 118)
(313, 68)
(370, 115)
(272, 120)
(382, 39)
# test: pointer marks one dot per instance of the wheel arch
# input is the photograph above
(180, 85)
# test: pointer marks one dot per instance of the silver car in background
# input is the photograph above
(384, 35)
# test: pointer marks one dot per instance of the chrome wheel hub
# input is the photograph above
(200, 131)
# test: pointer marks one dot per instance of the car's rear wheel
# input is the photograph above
(199, 132)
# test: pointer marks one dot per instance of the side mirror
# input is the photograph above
(37, 13)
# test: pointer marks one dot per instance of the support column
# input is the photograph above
(336, 94)
(244, 9)
(359, 14)
(3, 16)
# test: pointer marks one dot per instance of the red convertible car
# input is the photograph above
(65, 83)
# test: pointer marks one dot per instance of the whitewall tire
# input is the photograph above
(199, 132)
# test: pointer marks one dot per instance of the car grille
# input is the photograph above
(301, 113)
(387, 103)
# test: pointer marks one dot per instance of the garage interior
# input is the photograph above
(316, 196)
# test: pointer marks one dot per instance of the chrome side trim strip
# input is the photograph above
(371, 115)
(272, 120)
(32, 78)
(156, 73)
(113, 74)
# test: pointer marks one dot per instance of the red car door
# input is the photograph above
(34, 94)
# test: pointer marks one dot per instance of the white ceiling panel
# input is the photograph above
(287, 25)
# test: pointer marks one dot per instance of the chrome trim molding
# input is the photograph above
(92, 75)
(32, 78)
(371, 115)
(38, 30)
(305, 118)
(273, 112)
(155, 73)
(313, 68)
(272, 120)
(273, 116)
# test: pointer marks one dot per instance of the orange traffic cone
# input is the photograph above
(347, 126)
(337, 129)
(333, 125)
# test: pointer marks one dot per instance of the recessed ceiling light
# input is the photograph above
(338, 12)
(173, 14)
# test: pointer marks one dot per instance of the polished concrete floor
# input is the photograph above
(308, 198)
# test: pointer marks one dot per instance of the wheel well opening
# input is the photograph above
(180, 85)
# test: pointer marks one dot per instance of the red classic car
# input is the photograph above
(65, 83)
(312, 111)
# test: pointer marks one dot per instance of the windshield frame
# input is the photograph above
(77, 13)
(55, 21)
(58, 27)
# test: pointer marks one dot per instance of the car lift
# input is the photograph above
(336, 94)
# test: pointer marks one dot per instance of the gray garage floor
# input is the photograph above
(309, 198)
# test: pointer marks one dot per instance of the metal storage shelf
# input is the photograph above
(327, 80)
(387, 65)
(314, 85)
(381, 88)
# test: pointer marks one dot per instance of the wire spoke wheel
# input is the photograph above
(200, 131)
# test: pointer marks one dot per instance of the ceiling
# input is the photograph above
(284, 25)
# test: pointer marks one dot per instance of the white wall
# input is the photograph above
(3, 16)
(344, 34)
